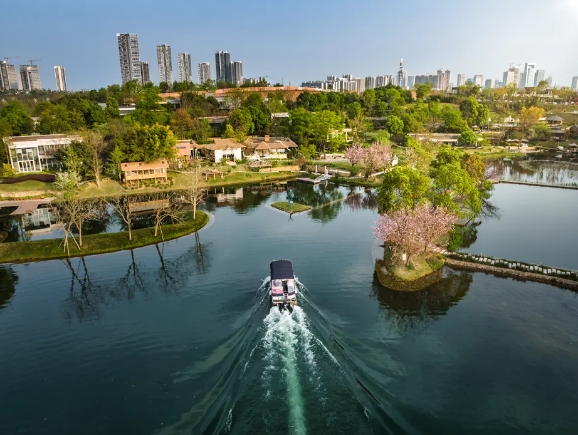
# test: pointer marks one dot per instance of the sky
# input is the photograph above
(297, 40)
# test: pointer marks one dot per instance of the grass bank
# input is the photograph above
(286, 207)
(18, 252)
(423, 272)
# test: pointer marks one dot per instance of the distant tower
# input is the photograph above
(165, 64)
(204, 72)
(145, 72)
(60, 78)
(129, 54)
(401, 75)
(185, 69)
(223, 66)
(30, 77)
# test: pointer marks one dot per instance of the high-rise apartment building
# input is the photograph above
(60, 78)
(8, 77)
(165, 64)
(489, 84)
(540, 75)
(529, 75)
(575, 83)
(461, 80)
(204, 72)
(410, 82)
(237, 72)
(550, 80)
(185, 67)
(145, 72)
(511, 76)
(30, 77)
(223, 66)
(401, 75)
(128, 51)
(478, 80)
(447, 83)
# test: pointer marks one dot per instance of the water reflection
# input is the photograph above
(8, 280)
(541, 169)
(362, 201)
(409, 310)
(87, 298)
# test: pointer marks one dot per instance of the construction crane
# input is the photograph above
(10, 57)
(33, 60)
(277, 80)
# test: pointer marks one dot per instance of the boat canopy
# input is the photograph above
(281, 269)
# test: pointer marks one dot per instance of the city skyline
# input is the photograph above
(92, 62)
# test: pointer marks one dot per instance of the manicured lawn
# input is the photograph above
(25, 186)
(98, 243)
(285, 206)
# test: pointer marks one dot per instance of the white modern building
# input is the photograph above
(461, 80)
(60, 77)
(511, 76)
(237, 72)
(204, 72)
(30, 77)
(540, 75)
(165, 64)
(529, 75)
(575, 83)
(8, 77)
(479, 80)
(35, 153)
(129, 54)
(185, 67)
(223, 66)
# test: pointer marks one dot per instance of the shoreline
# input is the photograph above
(96, 244)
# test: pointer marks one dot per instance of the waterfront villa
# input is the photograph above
(554, 121)
(268, 147)
(135, 172)
(220, 149)
(441, 138)
(36, 153)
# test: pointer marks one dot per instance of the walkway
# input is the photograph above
(526, 183)
(25, 206)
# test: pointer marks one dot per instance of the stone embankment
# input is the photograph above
(531, 272)
(526, 183)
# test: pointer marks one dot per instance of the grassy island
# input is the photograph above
(286, 207)
(421, 273)
(18, 252)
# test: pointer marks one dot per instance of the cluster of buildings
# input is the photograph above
(526, 77)
(28, 77)
(132, 68)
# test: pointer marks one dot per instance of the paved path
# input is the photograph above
(525, 183)
(25, 206)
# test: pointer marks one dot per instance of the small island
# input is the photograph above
(290, 208)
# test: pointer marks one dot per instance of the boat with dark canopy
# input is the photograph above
(282, 284)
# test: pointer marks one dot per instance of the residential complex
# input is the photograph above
(8, 77)
(461, 80)
(130, 65)
(478, 80)
(204, 71)
(237, 73)
(185, 67)
(60, 78)
(30, 77)
(145, 72)
(223, 66)
(165, 64)
(540, 76)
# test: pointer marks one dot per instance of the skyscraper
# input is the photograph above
(237, 72)
(511, 76)
(479, 80)
(185, 68)
(529, 75)
(540, 74)
(204, 72)
(8, 77)
(401, 75)
(223, 66)
(60, 78)
(461, 80)
(489, 84)
(575, 83)
(410, 82)
(130, 68)
(30, 77)
(165, 64)
(145, 72)
(447, 76)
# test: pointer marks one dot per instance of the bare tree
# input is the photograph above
(95, 146)
(125, 208)
(164, 207)
(65, 212)
(195, 194)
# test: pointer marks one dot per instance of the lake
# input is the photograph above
(180, 337)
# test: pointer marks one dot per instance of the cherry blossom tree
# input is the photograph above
(354, 154)
(412, 231)
(377, 157)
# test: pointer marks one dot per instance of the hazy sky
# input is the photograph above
(297, 40)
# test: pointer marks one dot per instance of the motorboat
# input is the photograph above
(282, 284)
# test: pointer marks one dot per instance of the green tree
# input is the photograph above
(325, 124)
(18, 118)
(241, 121)
(149, 142)
(453, 121)
(5, 131)
(402, 187)
(181, 123)
(423, 91)
(111, 110)
(468, 137)
(394, 125)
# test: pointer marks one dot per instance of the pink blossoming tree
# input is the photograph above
(354, 154)
(413, 231)
(377, 157)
